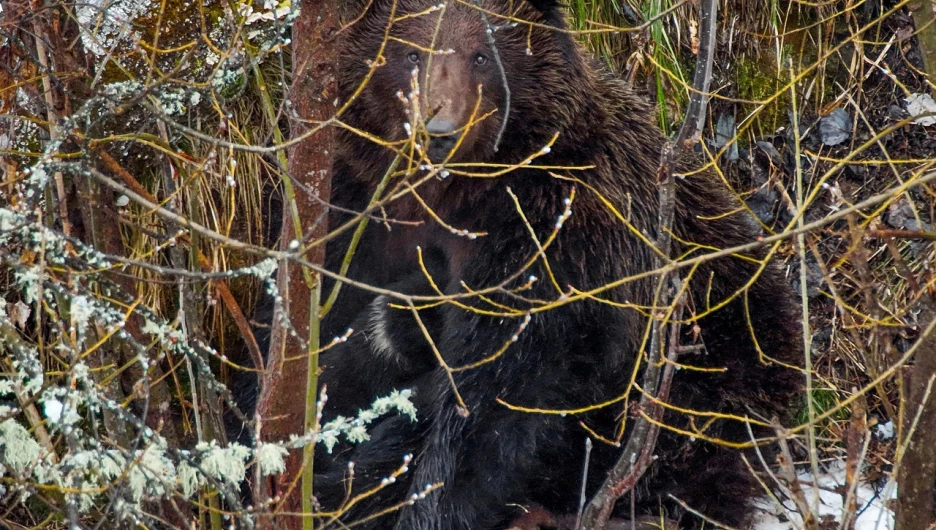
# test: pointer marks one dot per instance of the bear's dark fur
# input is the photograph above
(493, 461)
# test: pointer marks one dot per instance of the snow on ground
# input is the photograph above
(872, 512)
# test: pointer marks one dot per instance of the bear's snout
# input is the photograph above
(443, 136)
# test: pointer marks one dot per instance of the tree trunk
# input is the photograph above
(285, 389)
(917, 467)
(924, 18)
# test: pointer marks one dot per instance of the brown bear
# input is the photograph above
(542, 187)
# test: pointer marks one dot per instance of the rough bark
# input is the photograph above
(917, 468)
(284, 385)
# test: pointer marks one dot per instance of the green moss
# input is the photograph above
(757, 81)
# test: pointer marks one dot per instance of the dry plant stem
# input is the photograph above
(220, 285)
(891, 411)
(42, 54)
(768, 491)
(583, 498)
(188, 319)
(638, 453)
(902, 268)
(269, 111)
(54, 133)
(800, 244)
(879, 341)
(186, 309)
(903, 234)
(314, 89)
(503, 74)
(104, 235)
(857, 440)
(787, 474)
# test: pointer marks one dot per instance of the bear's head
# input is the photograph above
(454, 70)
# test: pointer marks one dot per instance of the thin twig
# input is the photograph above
(582, 497)
(489, 29)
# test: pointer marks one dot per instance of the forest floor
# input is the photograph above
(866, 273)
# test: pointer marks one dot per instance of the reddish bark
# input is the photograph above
(313, 94)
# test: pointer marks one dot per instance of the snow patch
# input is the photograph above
(873, 513)
(918, 104)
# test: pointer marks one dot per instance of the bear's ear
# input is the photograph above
(552, 11)
(544, 5)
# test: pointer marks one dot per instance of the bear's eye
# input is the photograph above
(480, 59)
(413, 57)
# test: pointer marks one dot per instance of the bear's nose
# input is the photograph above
(442, 138)
(439, 126)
